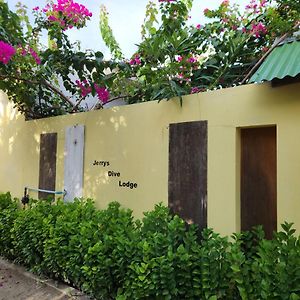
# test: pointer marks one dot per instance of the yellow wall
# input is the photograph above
(134, 139)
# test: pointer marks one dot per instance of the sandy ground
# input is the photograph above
(16, 283)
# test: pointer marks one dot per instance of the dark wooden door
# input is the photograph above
(188, 171)
(258, 179)
(47, 175)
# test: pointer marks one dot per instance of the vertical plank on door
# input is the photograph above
(47, 172)
(73, 167)
(258, 179)
(188, 171)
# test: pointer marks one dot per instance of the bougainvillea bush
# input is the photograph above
(45, 81)
(174, 58)
(110, 255)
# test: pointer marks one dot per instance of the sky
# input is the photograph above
(125, 18)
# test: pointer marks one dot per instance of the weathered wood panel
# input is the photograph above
(73, 166)
(47, 174)
(258, 179)
(188, 171)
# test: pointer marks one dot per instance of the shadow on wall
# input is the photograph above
(13, 146)
(19, 149)
(135, 154)
(115, 135)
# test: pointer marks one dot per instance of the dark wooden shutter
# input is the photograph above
(258, 179)
(188, 171)
(47, 176)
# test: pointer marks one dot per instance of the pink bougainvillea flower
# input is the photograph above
(179, 58)
(136, 60)
(35, 56)
(263, 3)
(36, 8)
(265, 49)
(198, 26)
(52, 18)
(6, 52)
(23, 52)
(192, 60)
(102, 93)
(84, 87)
(195, 90)
(28, 50)
(258, 29)
(225, 3)
(254, 6)
(46, 8)
(206, 11)
(67, 14)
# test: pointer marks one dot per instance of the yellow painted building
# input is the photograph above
(134, 140)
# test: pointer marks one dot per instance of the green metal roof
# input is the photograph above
(283, 61)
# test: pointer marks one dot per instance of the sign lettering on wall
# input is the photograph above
(101, 163)
(113, 173)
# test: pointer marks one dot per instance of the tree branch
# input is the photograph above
(18, 78)
(75, 107)
(57, 91)
(43, 82)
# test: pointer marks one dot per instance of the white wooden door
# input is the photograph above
(73, 168)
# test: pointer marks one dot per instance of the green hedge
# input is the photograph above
(109, 255)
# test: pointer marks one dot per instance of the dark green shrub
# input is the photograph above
(6, 201)
(215, 267)
(110, 253)
(8, 214)
(277, 267)
(266, 269)
(110, 256)
(244, 250)
(162, 265)
(30, 231)
(70, 235)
